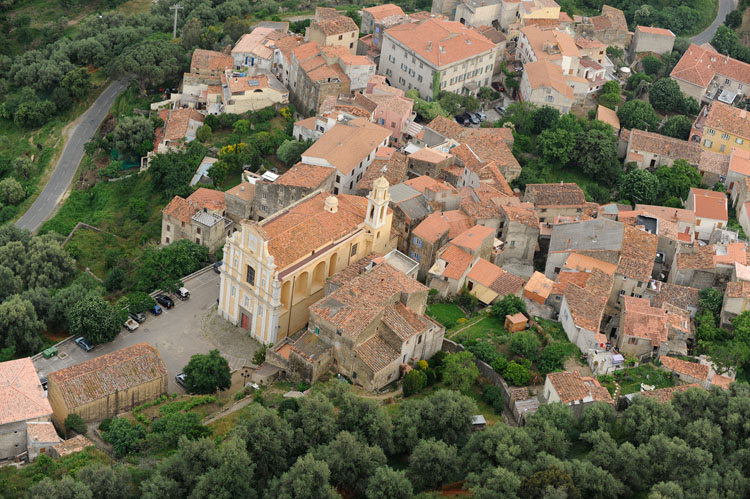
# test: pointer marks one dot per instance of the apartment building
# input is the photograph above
(437, 55)
(721, 128)
(708, 76)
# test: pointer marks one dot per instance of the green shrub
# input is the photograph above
(75, 423)
(302, 386)
(517, 374)
(484, 351)
(414, 382)
(499, 364)
(493, 395)
(105, 424)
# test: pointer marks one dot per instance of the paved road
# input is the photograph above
(725, 7)
(176, 333)
(66, 167)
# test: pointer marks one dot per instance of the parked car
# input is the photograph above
(180, 379)
(183, 294)
(165, 301)
(474, 117)
(140, 316)
(500, 110)
(43, 381)
(156, 310)
(498, 86)
(460, 119)
(131, 324)
(81, 342)
(217, 266)
(482, 116)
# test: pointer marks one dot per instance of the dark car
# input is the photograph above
(81, 342)
(460, 119)
(43, 381)
(473, 117)
(165, 301)
(498, 86)
(217, 266)
(156, 310)
(140, 317)
(180, 379)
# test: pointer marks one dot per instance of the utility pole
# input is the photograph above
(176, 8)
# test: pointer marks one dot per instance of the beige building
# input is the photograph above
(250, 93)
(275, 269)
(707, 76)
(371, 15)
(199, 218)
(723, 128)
(105, 386)
(23, 401)
(331, 29)
(544, 84)
(448, 54)
(650, 39)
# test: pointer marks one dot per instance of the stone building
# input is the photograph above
(429, 162)
(105, 386)
(312, 78)
(329, 28)
(653, 40)
(23, 401)
(206, 69)
(555, 200)
(199, 218)
(301, 180)
(254, 51)
(239, 202)
(370, 15)
(374, 324)
(519, 232)
(610, 27)
(276, 268)
(708, 76)
(574, 390)
(410, 208)
(432, 234)
(41, 438)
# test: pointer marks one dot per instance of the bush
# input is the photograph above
(204, 133)
(302, 386)
(483, 351)
(125, 437)
(493, 395)
(414, 382)
(553, 357)
(509, 305)
(437, 359)
(499, 364)
(517, 374)
(105, 424)
(260, 356)
(75, 423)
(526, 344)
(288, 405)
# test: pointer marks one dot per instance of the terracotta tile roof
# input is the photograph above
(638, 254)
(494, 35)
(545, 74)
(608, 116)
(662, 145)
(584, 263)
(541, 39)
(441, 42)
(699, 65)
(738, 290)
(641, 320)
(336, 26)
(306, 51)
(692, 369)
(572, 387)
(456, 261)
(308, 123)
(732, 120)
(472, 238)
(404, 321)
(210, 60)
(253, 42)
(343, 277)
(586, 43)
(309, 346)
(702, 257)
(479, 210)
(430, 155)
(522, 215)
(679, 296)
(295, 233)
(600, 284)
(180, 209)
(116, 371)
(21, 394)
(504, 283)
(564, 278)
(615, 17)
(177, 122)
(208, 198)
(446, 127)
(585, 307)
(671, 214)
(376, 353)
(288, 43)
(242, 85)
(401, 106)
(426, 183)
(384, 10)
(539, 285)
(722, 382)
(655, 31)
(666, 394)
(41, 432)
(344, 56)
(740, 161)
(353, 306)
(436, 224)
(395, 170)
(304, 175)
(554, 195)
(346, 145)
(714, 162)
(490, 174)
(710, 204)
(244, 191)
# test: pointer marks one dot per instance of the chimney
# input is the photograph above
(242, 188)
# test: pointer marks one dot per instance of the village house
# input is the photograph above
(430, 162)
(388, 163)
(577, 269)
(199, 218)
(239, 202)
(254, 51)
(334, 110)
(708, 76)
(544, 84)
(682, 297)
(410, 207)
(448, 274)
(438, 193)
(652, 40)
(204, 78)
(652, 150)
(41, 438)
(489, 283)
(349, 148)
(276, 268)
(373, 325)
(736, 301)
(707, 266)
(180, 127)
(370, 15)
(519, 232)
(312, 78)
(24, 402)
(251, 93)
(554, 200)
(700, 373)
(643, 329)
(394, 111)
(538, 288)
(299, 181)
(575, 391)
(557, 47)
(330, 29)
(432, 234)
(738, 171)
(608, 116)
(441, 54)
(710, 208)
(582, 309)
(610, 28)
(282, 66)
(108, 385)
(722, 128)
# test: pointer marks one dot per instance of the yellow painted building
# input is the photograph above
(724, 128)
(275, 269)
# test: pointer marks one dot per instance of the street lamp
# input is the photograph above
(245, 373)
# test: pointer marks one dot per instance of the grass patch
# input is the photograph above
(446, 314)
(630, 379)
(487, 326)
(222, 426)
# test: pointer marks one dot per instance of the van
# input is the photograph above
(183, 294)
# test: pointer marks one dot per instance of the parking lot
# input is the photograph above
(177, 333)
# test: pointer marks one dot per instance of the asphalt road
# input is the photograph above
(45, 205)
(176, 333)
(725, 7)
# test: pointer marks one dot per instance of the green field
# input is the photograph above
(446, 314)
(630, 379)
(486, 327)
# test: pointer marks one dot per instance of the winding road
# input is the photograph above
(46, 204)
(725, 7)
